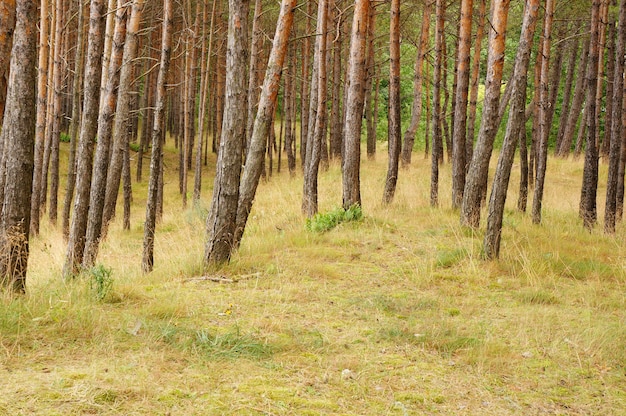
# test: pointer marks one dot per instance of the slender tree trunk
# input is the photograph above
(306, 93)
(222, 216)
(394, 130)
(120, 143)
(610, 75)
(263, 120)
(56, 112)
(42, 102)
(317, 114)
(93, 69)
(475, 80)
(105, 132)
(460, 117)
(204, 91)
(588, 209)
(619, 209)
(437, 147)
(354, 106)
(416, 106)
(255, 62)
(544, 117)
(79, 61)
(514, 129)
(18, 135)
(567, 94)
(617, 131)
(476, 181)
(158, 135)
(336, 125)
(577, 103)
(370, 74)
(7, 27)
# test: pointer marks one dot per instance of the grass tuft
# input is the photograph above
(323, 222)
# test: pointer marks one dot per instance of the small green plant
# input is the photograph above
(64, 138)
(100, 281)
(134, 146)
(322, 222)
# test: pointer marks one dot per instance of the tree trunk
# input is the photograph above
(256, 47)
(317, 114)
(93, 69)
(79, 61)
(105, 131)
(18, 134)
(336, 125)
(306, 98)
(42, 102)
(370, 75)
(514, 129)
(616, 126)
(7, 27)
(588, 209)
(394, 129)
(204, 91)
(354, 106)
(418, 70)
(223, 213)
(158, 135)
(460, 116)
(577, 103)
(264, 118)
(544, 110)
(120, 143)
(55, 132)
(476, 181)
(437, 141)
(475, 80)
(567, 94)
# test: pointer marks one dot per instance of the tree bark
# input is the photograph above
(394, 137)
(616, 126)
(120, 143)
(588, 208)
(476, 181)
(471, 117)
(79, 61)
(222, 216)
(18, 134)
(93, 69)
(437, 140)
(567, 94)
(544, 110)
(7, 27)
(158, 136)
(418, 70)
(263, 121)
(515, 127)
(370, 75)
(577, 103)
(105, 131)
(42, 103)
(354, 106)
(317, 115)
(460, 117)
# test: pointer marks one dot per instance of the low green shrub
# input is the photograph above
(322, 222)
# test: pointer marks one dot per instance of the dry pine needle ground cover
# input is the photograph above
(395, 314)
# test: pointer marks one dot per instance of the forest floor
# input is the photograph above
(396, 314)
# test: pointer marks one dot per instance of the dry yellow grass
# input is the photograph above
(396, 314)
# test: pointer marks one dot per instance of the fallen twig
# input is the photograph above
(223, 279)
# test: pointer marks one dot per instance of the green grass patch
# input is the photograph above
(323, 222)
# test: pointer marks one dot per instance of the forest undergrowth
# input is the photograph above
(395, 313)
